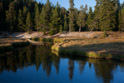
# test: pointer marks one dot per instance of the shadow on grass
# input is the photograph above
(102, 50)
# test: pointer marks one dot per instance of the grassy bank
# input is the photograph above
(92, 48)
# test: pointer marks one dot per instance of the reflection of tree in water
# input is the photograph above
(104, 70)
(31, 55)
(2, 64)
(90, 65)
(82, 65)
(41, 55)
(56, 62)
(47, 64)
(71, 68)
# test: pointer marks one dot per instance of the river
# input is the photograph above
(37, 64)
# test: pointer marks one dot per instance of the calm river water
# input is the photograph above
(36, 64)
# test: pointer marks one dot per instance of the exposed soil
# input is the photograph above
(21, 35)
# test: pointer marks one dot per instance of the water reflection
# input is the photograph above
(71, 68)
(41, 56)
(31, 55)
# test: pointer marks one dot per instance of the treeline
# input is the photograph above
(29, 15)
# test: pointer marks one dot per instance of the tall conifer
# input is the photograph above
(28, 22)
(37, 19)
(11, 17)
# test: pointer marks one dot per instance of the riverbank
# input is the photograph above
(109, 45)
(106, 48)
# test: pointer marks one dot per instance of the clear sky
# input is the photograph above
(78, 3)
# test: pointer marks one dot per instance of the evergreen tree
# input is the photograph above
(108, 15)
(116, 8)
(47, 15)
(25, 12)
(85, 9)
(37, 19)
(121, 19)
(66, 22)
(63, 14)
(108, 19)
(90, 18)
(76, 12)
(55, 21)
(2, 22)
(71, 17)
(20, 21)
(81, 18)
(11, 17)
(28, 22)
(97, 13)
(41, 17)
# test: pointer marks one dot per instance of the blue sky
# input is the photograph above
(78, 3)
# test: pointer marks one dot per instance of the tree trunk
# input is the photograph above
(80, 29)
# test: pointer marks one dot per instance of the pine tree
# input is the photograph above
(81, 18)
(11, 17)
(121, 19)
(41, 17)
(55, 20)
(47, 15)
(71, 4)
(37, 19)
(71, 17)
(1, 17)
(90, 18)
(25, 12)
(66, 22)
(20, 21)
(28, 22)
(108, 15)
(76, 12)
(108, 19)
(62, 15)
(97, 13)
(116, 8)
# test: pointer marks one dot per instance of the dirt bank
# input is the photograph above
(21, 35)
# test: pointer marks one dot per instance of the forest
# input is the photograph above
(29, 15)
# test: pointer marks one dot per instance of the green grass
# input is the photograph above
(58, 40)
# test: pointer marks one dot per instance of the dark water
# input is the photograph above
(36, 64)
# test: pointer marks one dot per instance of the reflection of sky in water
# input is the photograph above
(54, 69)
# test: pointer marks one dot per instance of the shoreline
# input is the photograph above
(91, 48)
(95, 45)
